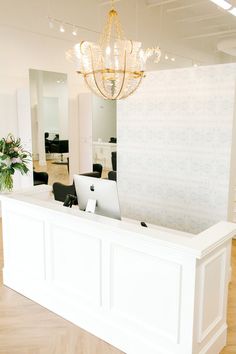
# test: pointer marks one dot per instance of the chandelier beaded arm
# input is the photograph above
(113, 68)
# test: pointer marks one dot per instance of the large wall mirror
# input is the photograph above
(49, 120)
(104, 134)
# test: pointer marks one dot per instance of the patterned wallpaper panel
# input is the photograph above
(174, 147)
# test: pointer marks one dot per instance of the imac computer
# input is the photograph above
(100, 193)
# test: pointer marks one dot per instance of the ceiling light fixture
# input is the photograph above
(62, 28)
(50, 22)
(222, 3)
(74, 32)
(114, 67)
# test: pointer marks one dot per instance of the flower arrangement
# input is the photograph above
(12, 157)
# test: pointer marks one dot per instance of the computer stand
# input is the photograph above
(91, 206)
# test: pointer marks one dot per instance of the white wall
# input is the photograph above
(8, 122)
(22, 50)
(174, 151)
(104, 119)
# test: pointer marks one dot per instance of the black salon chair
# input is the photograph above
(40, 178)
(97, 171)
(60, 147)
(113, 160)
(112, 175)
(47, 142)
(91, 174)
(113, 140)
(60, 191)
(97, 167)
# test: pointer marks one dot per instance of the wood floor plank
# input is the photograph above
(56, 173)
(26, 327)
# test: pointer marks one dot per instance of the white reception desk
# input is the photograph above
(144, 290)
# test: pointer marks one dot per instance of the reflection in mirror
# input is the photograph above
(49, 120)
(104, 134)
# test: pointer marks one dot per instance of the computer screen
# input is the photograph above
(102, 190)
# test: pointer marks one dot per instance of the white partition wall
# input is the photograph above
(174, 151)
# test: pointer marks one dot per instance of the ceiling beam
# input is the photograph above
(160, 3)
(217, 25)
(183, 7)
(205, 35)
(103, 3)
(200, 18)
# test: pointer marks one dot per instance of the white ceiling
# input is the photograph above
(187, 30)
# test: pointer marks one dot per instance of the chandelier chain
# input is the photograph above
(112, 21)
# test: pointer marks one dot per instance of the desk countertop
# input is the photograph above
(197, 245)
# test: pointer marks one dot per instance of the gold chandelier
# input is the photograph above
(113, 68)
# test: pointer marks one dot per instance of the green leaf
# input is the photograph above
(25, 168)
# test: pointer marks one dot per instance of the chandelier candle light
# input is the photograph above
(114, 67)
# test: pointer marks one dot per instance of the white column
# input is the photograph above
(85, 132)
(24, 131)
(41, 142)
